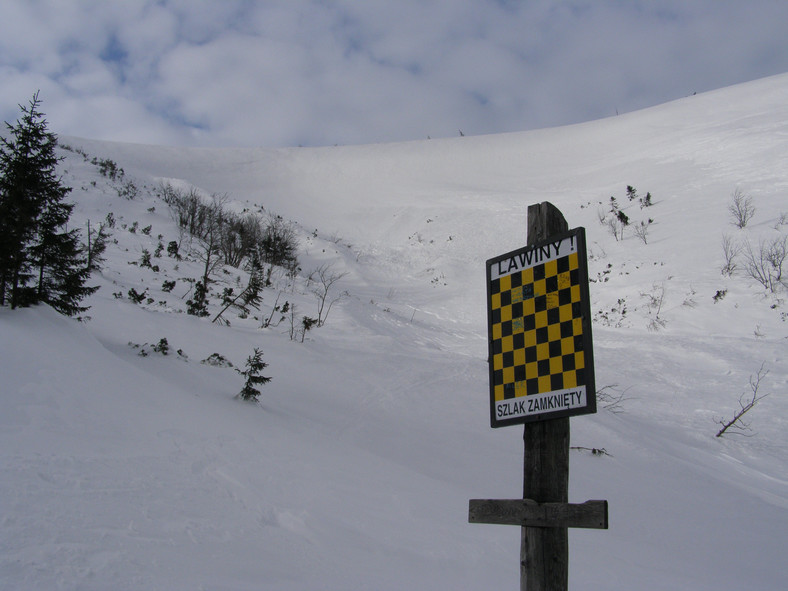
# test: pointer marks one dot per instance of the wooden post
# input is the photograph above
(544, 551)
(544, 513)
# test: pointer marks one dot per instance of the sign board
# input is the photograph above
(540, 348)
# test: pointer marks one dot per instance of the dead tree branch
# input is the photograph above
(746, 402)
(612, 398)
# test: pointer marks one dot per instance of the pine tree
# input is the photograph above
(20, 202)
(198, 305)
(40, 259)
(254, 366)
(253, 297)
(97, 245)
(58, 258)
(62, 273)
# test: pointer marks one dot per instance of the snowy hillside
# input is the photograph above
(125, 468)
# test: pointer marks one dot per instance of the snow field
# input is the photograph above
(354, 472)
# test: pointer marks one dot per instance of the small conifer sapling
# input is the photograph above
(253, 374)
(198, 306)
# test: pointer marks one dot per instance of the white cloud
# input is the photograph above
(288, 72)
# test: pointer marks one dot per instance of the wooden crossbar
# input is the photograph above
(528, 513)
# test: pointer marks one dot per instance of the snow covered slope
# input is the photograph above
(124, 471)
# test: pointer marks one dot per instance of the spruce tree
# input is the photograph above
(97, 245)
(20, 202)
(198, 305)
(40, 259)
(254, 366)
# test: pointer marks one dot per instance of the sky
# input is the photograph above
(281, 73)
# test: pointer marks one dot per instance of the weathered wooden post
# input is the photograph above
(544, 551)
(541, 372)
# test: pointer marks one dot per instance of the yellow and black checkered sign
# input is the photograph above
(541, 360)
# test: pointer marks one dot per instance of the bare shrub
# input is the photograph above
(209, 239)
(765, 264)
(612, 398)
(601, 216)
(279, 244)
(187, 208)
(323, 280)
(641, 230)
(741, 208)
(731, 250)
(228, 237)
(654, 301)
(239, 236)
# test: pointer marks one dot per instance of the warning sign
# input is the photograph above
(541, 357)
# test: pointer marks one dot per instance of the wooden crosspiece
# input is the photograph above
(528, 513)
